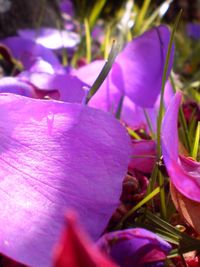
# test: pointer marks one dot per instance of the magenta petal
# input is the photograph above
(135, 247)
(143, 155)
(184, 172)
(141, 64)
(27, 51)
(56, 156)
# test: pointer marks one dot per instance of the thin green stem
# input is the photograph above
(104, 72)
(196, 142)
(162, 195)
(149, 123)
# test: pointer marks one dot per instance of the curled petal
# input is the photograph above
(55, 156)
(134, 247)
(184, 172)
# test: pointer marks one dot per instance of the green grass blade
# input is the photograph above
(88, 40)
(94, 14)
(139, 205)
(196, 142)
(141, 16)
(104, 72)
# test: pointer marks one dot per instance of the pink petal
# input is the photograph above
(184, 172)
(143, 155)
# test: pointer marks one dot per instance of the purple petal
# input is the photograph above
(15, 86)
(43, 66)
(70, 88)
(56, 156)
(134, 247)
(51, 38)
(184, 172)
(141, 65)
(27, 51)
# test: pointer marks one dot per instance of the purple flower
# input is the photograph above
(193, 30)
(184, 172)
(28, 52)
(135, 247)
(56, 156)
(15, 86)
(66, 6)
(137, 72)
(51, 38)
(68, 87)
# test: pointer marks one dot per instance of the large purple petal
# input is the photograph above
(55, 156)
(184, 172)
(141, 66)
(134, 247)
(51, 38)
(27, 51)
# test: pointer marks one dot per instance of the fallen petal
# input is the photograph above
(56, 156)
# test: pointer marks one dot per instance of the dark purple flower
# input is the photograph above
(66, 6)
(193, 30)
(135, 247)
(55, 156)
